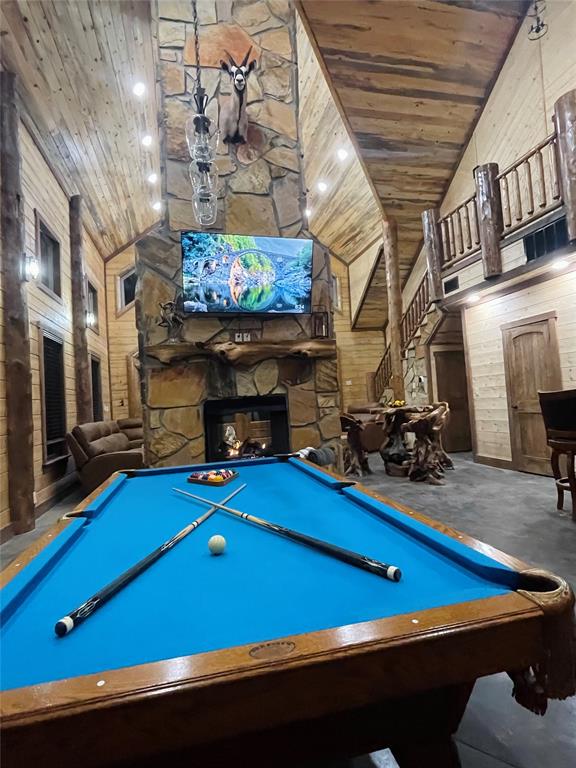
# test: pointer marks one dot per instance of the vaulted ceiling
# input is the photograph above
(77, 63)
(411, 77)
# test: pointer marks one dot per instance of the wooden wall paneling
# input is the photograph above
(121, 332)
(347, 215)
(19, 447)
(558, 66)
(43, 196)
(78, 63)
(359, 352)
(485, 356)
(360, 273)
(79, 308)
(98, 338)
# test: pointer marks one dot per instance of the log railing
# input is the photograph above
(383, 374)
(416, 311)
(460, 232)
(529, 187)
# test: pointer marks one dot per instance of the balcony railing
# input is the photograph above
(529, 187)
(383, 374)
(460, 232)
(416, 311)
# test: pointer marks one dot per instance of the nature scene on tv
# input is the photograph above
(239, 273)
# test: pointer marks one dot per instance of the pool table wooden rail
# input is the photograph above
(300, 690)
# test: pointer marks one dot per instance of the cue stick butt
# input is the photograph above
(64, 626)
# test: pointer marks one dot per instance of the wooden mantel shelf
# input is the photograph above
(247, 353)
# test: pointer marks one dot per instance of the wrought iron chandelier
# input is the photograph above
(202, 144)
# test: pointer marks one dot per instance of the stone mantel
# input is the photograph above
(247, 353)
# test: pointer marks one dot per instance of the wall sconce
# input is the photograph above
(320, 323)
(30, 267)
(90, 319)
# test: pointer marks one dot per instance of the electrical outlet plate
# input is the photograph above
(247, 336)
(237, 337)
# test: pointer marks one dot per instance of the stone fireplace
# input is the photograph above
(262, 193)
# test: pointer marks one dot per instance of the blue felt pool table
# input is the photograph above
(197, 639)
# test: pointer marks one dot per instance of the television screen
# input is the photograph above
(243, 274)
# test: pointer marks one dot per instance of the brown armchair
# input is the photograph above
(103, 447)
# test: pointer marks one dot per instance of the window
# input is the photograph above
(126, 289)
(96, 388)
(53, 397)
(92, 307)
(48, 251)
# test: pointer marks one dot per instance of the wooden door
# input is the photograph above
(531, 363)
(134, 399)
(451, 386)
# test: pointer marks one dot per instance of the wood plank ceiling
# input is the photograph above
(412, 77)
(77, 63)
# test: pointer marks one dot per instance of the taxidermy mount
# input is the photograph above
(233, 117)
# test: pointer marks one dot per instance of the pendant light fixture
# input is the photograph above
(202, 144)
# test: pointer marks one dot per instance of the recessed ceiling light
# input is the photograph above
(157, 205)
(559, 264)
(139, 89)
(147, 140)
(308, 212)
(473, 298)
(153, 178)
(322, 186)
(342, 154)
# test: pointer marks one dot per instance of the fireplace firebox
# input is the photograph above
(240, 427)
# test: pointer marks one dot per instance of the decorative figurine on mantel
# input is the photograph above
(233, 117)
(171, 318)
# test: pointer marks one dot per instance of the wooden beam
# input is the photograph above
(139, 236)
(19, 420)
(490, 221)
(433, 246)
(247, 353)
(84, 411)
(390, 244)
(565, 120)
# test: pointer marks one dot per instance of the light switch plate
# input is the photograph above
(247, 336)
(237, 337)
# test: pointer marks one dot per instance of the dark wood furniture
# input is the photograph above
(559, 412)
(383, 429)
(401, 680)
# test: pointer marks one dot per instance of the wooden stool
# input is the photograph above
(559, 412)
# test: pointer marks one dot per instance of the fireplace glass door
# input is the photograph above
(246, 427)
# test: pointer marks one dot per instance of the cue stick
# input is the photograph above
(80, 614)
(391, 572)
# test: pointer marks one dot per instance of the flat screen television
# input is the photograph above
(244, 274)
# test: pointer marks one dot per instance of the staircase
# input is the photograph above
(422, 323)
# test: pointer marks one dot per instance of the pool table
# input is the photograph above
(271, 653)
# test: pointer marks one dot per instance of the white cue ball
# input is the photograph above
(216, 544)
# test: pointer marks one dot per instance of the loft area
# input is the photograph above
(287, 382)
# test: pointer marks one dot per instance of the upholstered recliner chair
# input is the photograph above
(103, 447)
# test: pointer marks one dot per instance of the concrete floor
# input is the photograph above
(516, 513)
